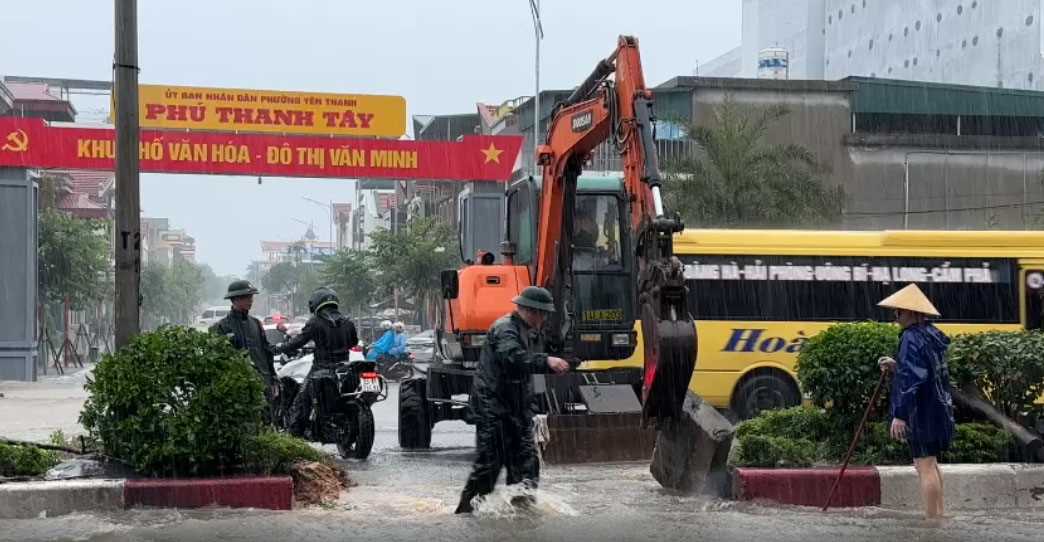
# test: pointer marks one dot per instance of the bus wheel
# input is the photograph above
(763, 391)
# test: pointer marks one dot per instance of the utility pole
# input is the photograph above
(128, 204)
(538, 31)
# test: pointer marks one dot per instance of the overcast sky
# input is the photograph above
(443, 56)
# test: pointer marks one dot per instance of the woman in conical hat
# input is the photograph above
(922, 409)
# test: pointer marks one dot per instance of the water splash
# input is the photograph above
(518, 501)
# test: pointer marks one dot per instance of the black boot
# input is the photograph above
(523, 502)
(464, 507)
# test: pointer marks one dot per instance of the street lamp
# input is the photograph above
(538, 32)
(329, 209)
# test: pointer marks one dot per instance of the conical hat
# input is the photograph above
(910, 298)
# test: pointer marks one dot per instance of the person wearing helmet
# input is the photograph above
(399, 345)
(334, 336)
(513, 352)
(383, 345)
(247, 333)
(921, 402)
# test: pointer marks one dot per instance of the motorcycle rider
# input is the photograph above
(503, 392)
(246, 333)
(399, 346)
(334, 336)
(383, 345)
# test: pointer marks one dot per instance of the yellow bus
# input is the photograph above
(757, 295)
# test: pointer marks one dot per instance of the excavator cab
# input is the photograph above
(600, 304)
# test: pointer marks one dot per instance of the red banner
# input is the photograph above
(31, 143)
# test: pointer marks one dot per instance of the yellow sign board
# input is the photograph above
(226, 110)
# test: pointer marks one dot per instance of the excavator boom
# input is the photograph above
(618, 111)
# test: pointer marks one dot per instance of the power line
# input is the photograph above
(949, 210)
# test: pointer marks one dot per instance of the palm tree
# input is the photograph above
(737, 179)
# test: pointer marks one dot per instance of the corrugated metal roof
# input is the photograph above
(35, 92)
(920, 98)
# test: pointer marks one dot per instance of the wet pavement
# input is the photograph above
(411, 495)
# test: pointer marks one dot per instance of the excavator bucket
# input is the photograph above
(596, 416)
(593, 417)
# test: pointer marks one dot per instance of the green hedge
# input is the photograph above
(803, 436)
(838, 368)
(1008, 367)
(25, 460)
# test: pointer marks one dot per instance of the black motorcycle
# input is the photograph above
(341, 411)
(396, 368)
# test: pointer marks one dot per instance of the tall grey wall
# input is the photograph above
(976, 42)
(949, 188)
(18, 248)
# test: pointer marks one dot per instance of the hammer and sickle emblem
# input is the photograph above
(17, 141)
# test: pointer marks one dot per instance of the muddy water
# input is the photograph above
(411, 496)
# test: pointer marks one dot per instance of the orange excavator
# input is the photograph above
(604, 249)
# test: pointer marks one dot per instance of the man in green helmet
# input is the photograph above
(246, 333)
(514, 351)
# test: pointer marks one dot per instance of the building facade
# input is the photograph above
(973, 42)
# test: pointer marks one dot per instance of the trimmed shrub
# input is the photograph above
(274, 453)
(838, 368)
(771, 452)
(802, 437)
(1008, 367)
(979, 443)
(794, 422)
(18, 460)
(175, 402)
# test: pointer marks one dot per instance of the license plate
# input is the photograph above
(369, 385)
(470, 364)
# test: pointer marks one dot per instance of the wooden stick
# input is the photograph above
(855, 439)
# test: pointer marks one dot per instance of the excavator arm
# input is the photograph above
(618, 111)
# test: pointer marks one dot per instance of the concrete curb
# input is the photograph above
(808, 487)
(273, 493)
(969, 487)
(48, 499)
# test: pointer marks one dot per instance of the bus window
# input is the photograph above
(822, 288)
(596, 237)
(1034, 299)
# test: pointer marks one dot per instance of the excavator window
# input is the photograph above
(520, 224)
(596, 237)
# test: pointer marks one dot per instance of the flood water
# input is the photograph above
(411, 496)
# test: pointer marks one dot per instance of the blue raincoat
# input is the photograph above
(382, 346)
(399, 345)
(921, 387)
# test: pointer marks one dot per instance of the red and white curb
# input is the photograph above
(981, 487)
(48, 499)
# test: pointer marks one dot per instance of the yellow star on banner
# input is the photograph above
(492, 154)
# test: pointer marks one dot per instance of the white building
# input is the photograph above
(977, 42)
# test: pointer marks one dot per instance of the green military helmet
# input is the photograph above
(240, 288)
(536, 298)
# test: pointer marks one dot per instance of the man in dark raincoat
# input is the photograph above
(922, 408)
(503, 397)
(334, 336)
(246, 333)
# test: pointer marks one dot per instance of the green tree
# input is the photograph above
(171, 294)
(74, 258)
(214, 286)
(350, 273)
(738, 179)
(412, 258)
(297, 279)
(282, 277)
